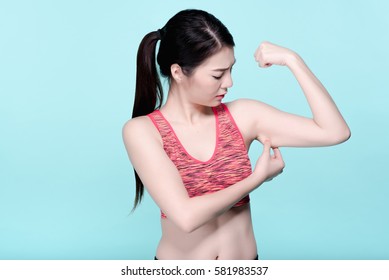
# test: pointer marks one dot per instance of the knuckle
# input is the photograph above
(263, 44)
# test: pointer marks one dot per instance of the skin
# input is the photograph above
(207, 227)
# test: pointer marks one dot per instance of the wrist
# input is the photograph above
(256, 178)
(293, 60)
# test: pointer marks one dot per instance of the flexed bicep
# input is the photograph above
(288, 130)
(261, 121)
(326, 127)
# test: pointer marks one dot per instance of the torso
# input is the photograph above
(229, 236)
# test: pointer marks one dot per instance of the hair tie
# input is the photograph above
(161, 33)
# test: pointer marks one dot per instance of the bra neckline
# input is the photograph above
(183, 147)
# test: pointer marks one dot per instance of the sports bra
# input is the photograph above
(228, 165)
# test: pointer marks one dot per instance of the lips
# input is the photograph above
(221, 95)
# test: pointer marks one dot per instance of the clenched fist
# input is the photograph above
(268, 54)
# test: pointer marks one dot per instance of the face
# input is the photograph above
(210, 81)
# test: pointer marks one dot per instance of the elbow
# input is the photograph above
(341, 136)
(183, 215)
(345, 135)
(185, 221)
(187, 224)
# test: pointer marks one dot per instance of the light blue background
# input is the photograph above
(67, 77)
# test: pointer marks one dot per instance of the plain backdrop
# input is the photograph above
(67, 80)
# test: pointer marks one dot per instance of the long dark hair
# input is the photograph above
(188, 38)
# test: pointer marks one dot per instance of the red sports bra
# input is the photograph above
(228, 165)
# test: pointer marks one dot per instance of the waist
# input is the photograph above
(230, 236)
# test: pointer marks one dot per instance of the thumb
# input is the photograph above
(266, 147)
(277, 153)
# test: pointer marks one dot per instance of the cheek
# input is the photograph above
(214, 85)
(205, 84)
(210, 84)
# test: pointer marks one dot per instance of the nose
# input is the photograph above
(227, 81)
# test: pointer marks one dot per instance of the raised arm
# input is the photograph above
(326, 127)
(163, 182)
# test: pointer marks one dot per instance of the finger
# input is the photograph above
(266, 147)
(267, 65)
(258, 56)
(278, 157)
(257, 52)
(277, 153)
(263, 63)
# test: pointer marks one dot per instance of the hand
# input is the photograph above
(269, 166)
(268, 54)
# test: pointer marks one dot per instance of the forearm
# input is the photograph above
(324, 110)
(201, 209)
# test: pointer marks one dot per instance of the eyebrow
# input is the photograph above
(224, 69)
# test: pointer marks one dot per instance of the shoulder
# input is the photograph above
(140, 130)
(136, 125)
(243, 113)
(240, 105)
(251, 116)
(247, 108)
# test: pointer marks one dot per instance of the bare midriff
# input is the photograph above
(229, 236)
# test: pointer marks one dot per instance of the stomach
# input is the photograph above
(229, 236)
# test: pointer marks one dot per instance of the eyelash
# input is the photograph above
(219, 77)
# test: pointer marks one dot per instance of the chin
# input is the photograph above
(216, 103)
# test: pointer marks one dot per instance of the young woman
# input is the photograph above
(191, 152)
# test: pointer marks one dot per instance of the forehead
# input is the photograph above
(224, 58)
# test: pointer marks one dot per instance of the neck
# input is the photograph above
(179, 109)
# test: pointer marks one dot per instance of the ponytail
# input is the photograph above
(148, 90)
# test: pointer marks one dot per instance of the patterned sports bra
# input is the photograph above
(228, 165)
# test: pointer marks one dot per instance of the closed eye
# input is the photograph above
(223, 71)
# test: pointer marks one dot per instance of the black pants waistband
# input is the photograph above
(256, 258)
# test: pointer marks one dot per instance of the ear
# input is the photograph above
(176, 72)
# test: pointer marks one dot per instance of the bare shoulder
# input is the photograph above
(140, 130)
(242, 111)
(136, 124)
(252, 117)
(247, 110)
(245, 105)
(237, 104)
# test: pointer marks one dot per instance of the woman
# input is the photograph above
(191, 152)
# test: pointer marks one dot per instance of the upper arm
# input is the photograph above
(262, 121)
(157, 172)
